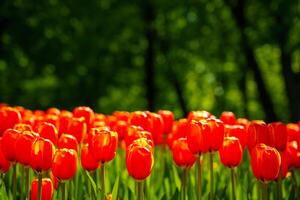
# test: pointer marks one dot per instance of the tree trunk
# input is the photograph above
(291, 79)
(238, 11)
(149, 17)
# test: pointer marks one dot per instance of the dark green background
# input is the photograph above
(182, 55)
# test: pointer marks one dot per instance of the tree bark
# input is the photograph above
(238, 12)
(291, 79)
(149, 17)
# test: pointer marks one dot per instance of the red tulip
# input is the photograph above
(55, 181)
(104, 145)
(168, 118)
(67, 141)
(23, 147)
(121, 128)
(231, 152)
(182, 155)
(8, 117)
(278, 129)
(41, 154)
(258, 132)
(284, 164)
(48, 131)
(132, 134)
(78, 128)
(53, 111)
(64, 122)
(9, 140)
(228, 117)
(111, 121)
(216, 135)
(51, 119)
(293, 154)
(86, 112)
(265, 162)
(141, 119)
(139, 159)
(197, 136)
(293, 132)
(122, 115)
(198, 115)
(180, 128)
(22, 127)
(242, 121)
(4, 163)
(136, 132)
(238, 131)
(64, 164)
(88, 162)
(157, 128)
(47, 189)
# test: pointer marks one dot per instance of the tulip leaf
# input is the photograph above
(94, 186)
(3, 194)
(176, 177)
(115, 189)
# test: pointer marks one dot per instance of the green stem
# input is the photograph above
(199, 179)
(102, 181)
(140, 191)
(63, 190)
(15, 181)
(279, 186)
(211, 194)
(233, 183)
(184, 183)
(27, 183)
(40, 186)
(264, 191)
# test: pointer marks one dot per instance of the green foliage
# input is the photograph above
(62, 53)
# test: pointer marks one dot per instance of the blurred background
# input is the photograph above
(216, 55)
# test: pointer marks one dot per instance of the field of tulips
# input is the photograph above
(80, 154)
